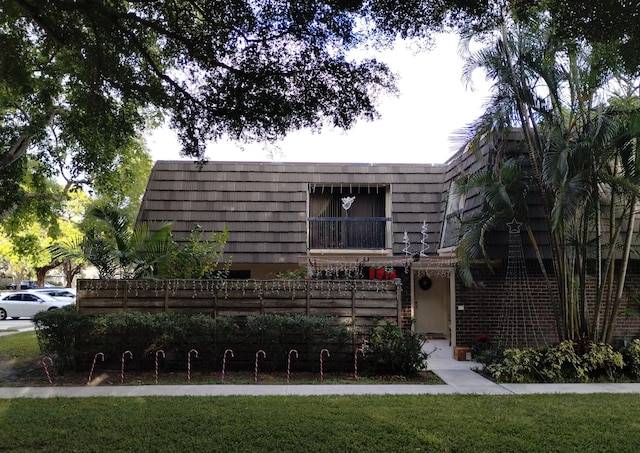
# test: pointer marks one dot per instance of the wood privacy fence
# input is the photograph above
(360, 303)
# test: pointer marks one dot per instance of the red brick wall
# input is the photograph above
(484, 309)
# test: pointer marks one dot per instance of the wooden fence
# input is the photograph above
(360, 303)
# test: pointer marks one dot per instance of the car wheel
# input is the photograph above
(52, 308)
(3, 314)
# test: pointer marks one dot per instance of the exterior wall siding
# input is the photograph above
(484, 309)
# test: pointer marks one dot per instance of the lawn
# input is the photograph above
(438, 423)
(324, 424)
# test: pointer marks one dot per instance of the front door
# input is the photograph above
(431, 307)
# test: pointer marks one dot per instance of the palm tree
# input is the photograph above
(504, 191)
(582, 158)
(121, 251)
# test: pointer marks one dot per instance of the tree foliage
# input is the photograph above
(81, 79)
(199, 258)
(583, 154)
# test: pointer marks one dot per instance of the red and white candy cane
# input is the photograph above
(158, 352)
(355, 362)
(189, 363)
(93, 366)
(264, 355)
(289, 363)
(125, 353)
(224, 361)
(321, 368)
(46, 368)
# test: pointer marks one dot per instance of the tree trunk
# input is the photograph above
(623, 270)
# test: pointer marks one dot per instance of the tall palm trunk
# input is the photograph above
(535, 152)
(624, 263)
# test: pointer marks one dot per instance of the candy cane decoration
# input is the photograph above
(224, 361)
(321, 369)
(289, 363)
(46, 369)
(355, 362)
(189, 363)
(125, 353)
(264, 355)
(93, 365)
(158, 352)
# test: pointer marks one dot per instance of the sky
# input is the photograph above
(414, 127)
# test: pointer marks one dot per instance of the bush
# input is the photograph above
(62, 334)
(517, 365)
(632, 359)
(75, 339)
(559, 363)
(277, 335)
(391, 352)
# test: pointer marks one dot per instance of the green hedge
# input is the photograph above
(75, 339)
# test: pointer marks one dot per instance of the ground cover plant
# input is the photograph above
(441, 423)
(567, 361)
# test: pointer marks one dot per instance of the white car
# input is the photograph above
(64, 294)
(25, 304)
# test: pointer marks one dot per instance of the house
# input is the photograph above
(349, 220)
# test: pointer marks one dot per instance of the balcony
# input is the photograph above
(348, 233)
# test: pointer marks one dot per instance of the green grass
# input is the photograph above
(18, 349)
(439, 423)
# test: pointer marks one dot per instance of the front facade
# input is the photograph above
(330, 218)
(363, 221)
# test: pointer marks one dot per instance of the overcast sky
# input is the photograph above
(415, 127)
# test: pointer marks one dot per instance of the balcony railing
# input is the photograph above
(348, 233)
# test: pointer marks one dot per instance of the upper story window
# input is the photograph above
(452, 220)
(348, 218)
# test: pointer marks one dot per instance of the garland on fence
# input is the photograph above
(224, 287)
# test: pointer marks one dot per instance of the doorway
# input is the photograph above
(431, 297)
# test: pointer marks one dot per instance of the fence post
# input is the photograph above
(399, 300)
(353, 316)
(166, 295)
(125, 302)
(215, 304)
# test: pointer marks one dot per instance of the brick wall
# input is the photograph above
(489, 309)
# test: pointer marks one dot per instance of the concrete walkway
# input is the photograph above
(459, 378)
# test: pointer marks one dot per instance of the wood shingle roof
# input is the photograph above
(264, 205)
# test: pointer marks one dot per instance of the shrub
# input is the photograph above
(560, 363)
(74, 339)
(632, 358)
(601, 361)
(484, 351)
(518, 365)
(62, 334)
(278, 334)
(389, 351)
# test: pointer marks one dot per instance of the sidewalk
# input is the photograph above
(459, 378)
